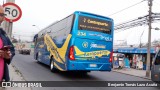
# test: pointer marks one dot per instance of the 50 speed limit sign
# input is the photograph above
(12, 12)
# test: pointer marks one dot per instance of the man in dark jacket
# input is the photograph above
(7, 55)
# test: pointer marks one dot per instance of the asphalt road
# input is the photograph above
(34, 71)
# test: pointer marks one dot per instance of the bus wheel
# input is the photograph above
(52, 67)
(37, 57)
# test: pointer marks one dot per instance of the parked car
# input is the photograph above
(25, 51)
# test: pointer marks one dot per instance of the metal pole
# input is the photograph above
(149, 39)
(8, 25)
(10, 29)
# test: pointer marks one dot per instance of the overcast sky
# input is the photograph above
(44, 12)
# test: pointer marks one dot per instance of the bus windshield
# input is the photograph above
(94, 24)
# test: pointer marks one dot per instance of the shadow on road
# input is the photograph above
(72, 75)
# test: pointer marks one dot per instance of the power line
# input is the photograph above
(126, 8)
(138, 22)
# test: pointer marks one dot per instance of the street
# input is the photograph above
(34, 71)
(119, 36)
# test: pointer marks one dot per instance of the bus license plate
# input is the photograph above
(93, 65)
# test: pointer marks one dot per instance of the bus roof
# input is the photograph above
(81, 12)
(76, 12)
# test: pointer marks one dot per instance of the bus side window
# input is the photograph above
(157, 61)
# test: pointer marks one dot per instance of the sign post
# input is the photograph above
(12, 14)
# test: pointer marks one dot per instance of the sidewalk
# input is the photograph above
(15, 75)
(133, 72)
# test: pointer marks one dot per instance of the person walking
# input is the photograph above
(130, 61)
(126, 62)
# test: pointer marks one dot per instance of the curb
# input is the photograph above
(132, 75)
(16, 75)
(19, 74)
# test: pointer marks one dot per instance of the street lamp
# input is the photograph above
(140, 45)
(36, 27)
(156, 28)
(140, 39)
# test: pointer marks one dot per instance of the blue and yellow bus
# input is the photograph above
(80, 42)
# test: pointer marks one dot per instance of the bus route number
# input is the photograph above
(81, 33)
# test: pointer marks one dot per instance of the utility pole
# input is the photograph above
(149, 38)
(8, 25)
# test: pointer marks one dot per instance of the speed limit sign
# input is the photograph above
(12, 12)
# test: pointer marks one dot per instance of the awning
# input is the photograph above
(135, 50)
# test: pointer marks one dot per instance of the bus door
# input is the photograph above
(155, 70)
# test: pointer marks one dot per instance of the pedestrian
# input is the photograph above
(6, 51)
(130, 61)
(126, 62)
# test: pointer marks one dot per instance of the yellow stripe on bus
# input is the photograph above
(59, 68)
(58, 53)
